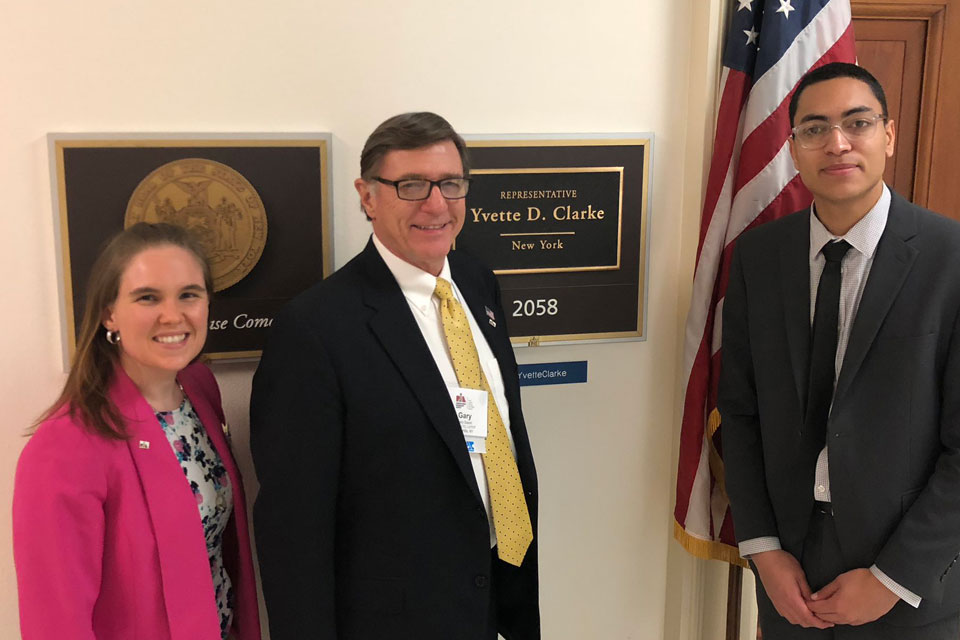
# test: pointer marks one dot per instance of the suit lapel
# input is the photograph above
(396, 329)
(495, 341)
(214, 425)
(795, 292)
(179, 535)
(891, 264)
(486, 313)
(480, 308)
(204, 397)
(499, 342)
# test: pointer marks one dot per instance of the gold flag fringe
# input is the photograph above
(708, 549)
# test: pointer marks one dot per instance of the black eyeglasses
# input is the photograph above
(419, 188)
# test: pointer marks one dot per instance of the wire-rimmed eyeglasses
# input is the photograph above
(420, 188)
(816, 133)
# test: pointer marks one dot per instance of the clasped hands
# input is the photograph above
(855, 597)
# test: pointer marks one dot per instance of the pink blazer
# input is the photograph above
(107, 539)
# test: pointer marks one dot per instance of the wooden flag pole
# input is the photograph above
(734, 591)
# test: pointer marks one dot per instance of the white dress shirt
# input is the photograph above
(417, 286)
(863, 238)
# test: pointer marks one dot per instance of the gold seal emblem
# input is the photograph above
(213, 201)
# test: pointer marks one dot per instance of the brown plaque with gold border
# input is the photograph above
(562, 222)
(257, 202)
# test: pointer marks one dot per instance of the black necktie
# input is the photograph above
(823, 349)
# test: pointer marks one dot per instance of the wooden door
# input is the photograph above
(913, 48)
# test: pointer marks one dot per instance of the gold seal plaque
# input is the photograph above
(213, 201)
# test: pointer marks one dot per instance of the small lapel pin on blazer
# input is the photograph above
(144, 444)
(490, 317)
(226, 429)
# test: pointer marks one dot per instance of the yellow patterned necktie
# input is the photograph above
(511, 521)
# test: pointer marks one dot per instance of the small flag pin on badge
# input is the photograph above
(144, 444)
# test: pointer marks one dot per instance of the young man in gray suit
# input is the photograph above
(383, 512)
(840, 388)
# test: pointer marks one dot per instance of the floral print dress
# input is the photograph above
(211, 487)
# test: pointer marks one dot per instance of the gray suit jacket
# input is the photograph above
(894, 430)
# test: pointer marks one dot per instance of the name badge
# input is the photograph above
(471, 408)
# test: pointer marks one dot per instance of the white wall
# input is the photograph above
(605, 450)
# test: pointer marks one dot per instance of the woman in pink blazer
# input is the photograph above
(128, 511)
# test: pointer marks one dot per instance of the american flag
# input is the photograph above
(770, 45)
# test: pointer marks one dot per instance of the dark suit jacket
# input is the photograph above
(894, 430)
(369, 522)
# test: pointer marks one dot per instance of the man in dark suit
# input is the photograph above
(840, 389)
(373, 519)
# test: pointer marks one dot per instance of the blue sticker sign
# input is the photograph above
(553, 373)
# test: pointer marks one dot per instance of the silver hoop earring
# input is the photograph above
(113, 337)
